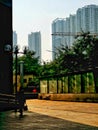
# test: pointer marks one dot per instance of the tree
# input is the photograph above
(81, 56)
(87, 47)
(31, 63)
(94, 60)
(48, 68)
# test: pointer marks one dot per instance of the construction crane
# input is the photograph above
(72, 33)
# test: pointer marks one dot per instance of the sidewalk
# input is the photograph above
(34, 121)
(79, 112)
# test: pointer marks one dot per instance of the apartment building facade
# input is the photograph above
(85, 19)
(34, 43)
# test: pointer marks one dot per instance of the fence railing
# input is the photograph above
(72, 83)
(7, 102)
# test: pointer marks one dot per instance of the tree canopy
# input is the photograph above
(81, 56)
(31, 63)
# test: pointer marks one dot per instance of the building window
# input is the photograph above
(25, 80)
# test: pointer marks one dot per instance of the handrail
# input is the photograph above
(8, 102)
(7, 95)
(7, 98)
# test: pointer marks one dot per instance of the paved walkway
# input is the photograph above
(84, 113)
(38, 117)
(35, 121)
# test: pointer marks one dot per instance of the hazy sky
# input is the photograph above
(37, 15)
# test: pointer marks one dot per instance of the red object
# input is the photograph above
(34, 90)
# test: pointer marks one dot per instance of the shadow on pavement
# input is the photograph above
(34, 121)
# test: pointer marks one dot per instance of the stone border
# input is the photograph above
(69, 97)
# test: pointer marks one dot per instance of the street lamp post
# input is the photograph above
(16, 51)
(8, 49)
(21, 73)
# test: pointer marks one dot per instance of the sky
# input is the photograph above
(38, 15)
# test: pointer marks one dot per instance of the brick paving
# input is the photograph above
(51, 115)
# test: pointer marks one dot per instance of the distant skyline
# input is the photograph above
(31, 16)
(34, 43)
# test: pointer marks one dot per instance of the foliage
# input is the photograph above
(31, 63)
(81, 55)
(34, 82)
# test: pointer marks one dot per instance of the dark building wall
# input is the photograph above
(5, 57)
